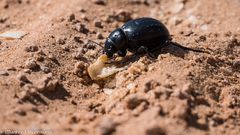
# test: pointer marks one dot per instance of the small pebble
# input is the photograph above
(204, 27)
(3, 19)
(23, 95)
(149, 85)
(99, 2)
(11, 69)
(107, 126)
(137, 68)
(45, 69)
(27, 71)
(32, 48)
(78, 39)
(61, 40)
(66, 48)
(177, 7)
(71, 17)
(39, 57)
(97, 23)
(202, 38)
(81, 28)
(82, 10)
(20, 112)
(31, 64)
(84, 17)
(22, 77)
(100, 36)
(3, 73)
(47, 84)
(108, 91)
(192, 20)
(154, 129)
(79, 68)
(123, 15)
(133, 101)
(30, 89)
(135, 1)
(74, 102)
(52, 57)
(28, 92)
(131, 86)
(236, 65)
(79, 54)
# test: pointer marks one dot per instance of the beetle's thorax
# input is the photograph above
(118, 38)
(115, 42)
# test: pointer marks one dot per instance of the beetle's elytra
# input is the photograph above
(146, 33)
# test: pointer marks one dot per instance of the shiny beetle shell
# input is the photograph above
(147, 33)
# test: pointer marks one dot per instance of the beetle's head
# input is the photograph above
(116, 41)
(109, 48)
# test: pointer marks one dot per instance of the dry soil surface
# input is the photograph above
(45, 89)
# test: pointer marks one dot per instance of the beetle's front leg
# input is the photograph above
(122, 53)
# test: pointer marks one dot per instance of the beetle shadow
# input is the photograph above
(173, 48)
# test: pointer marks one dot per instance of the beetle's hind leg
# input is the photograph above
(154, 52)
(145, 50)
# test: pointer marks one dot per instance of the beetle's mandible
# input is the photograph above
(144, 33)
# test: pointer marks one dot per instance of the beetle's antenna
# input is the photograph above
(94, 43)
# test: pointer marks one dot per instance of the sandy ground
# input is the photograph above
(45, 88)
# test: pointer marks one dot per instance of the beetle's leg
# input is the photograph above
(122, 53)
(150, 54)
(143, 49)
(153, 50)
(109, 62)
(159, 47)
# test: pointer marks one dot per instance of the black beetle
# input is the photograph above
(142, 33)
(146, 34)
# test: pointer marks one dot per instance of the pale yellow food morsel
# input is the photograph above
(100, 70)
